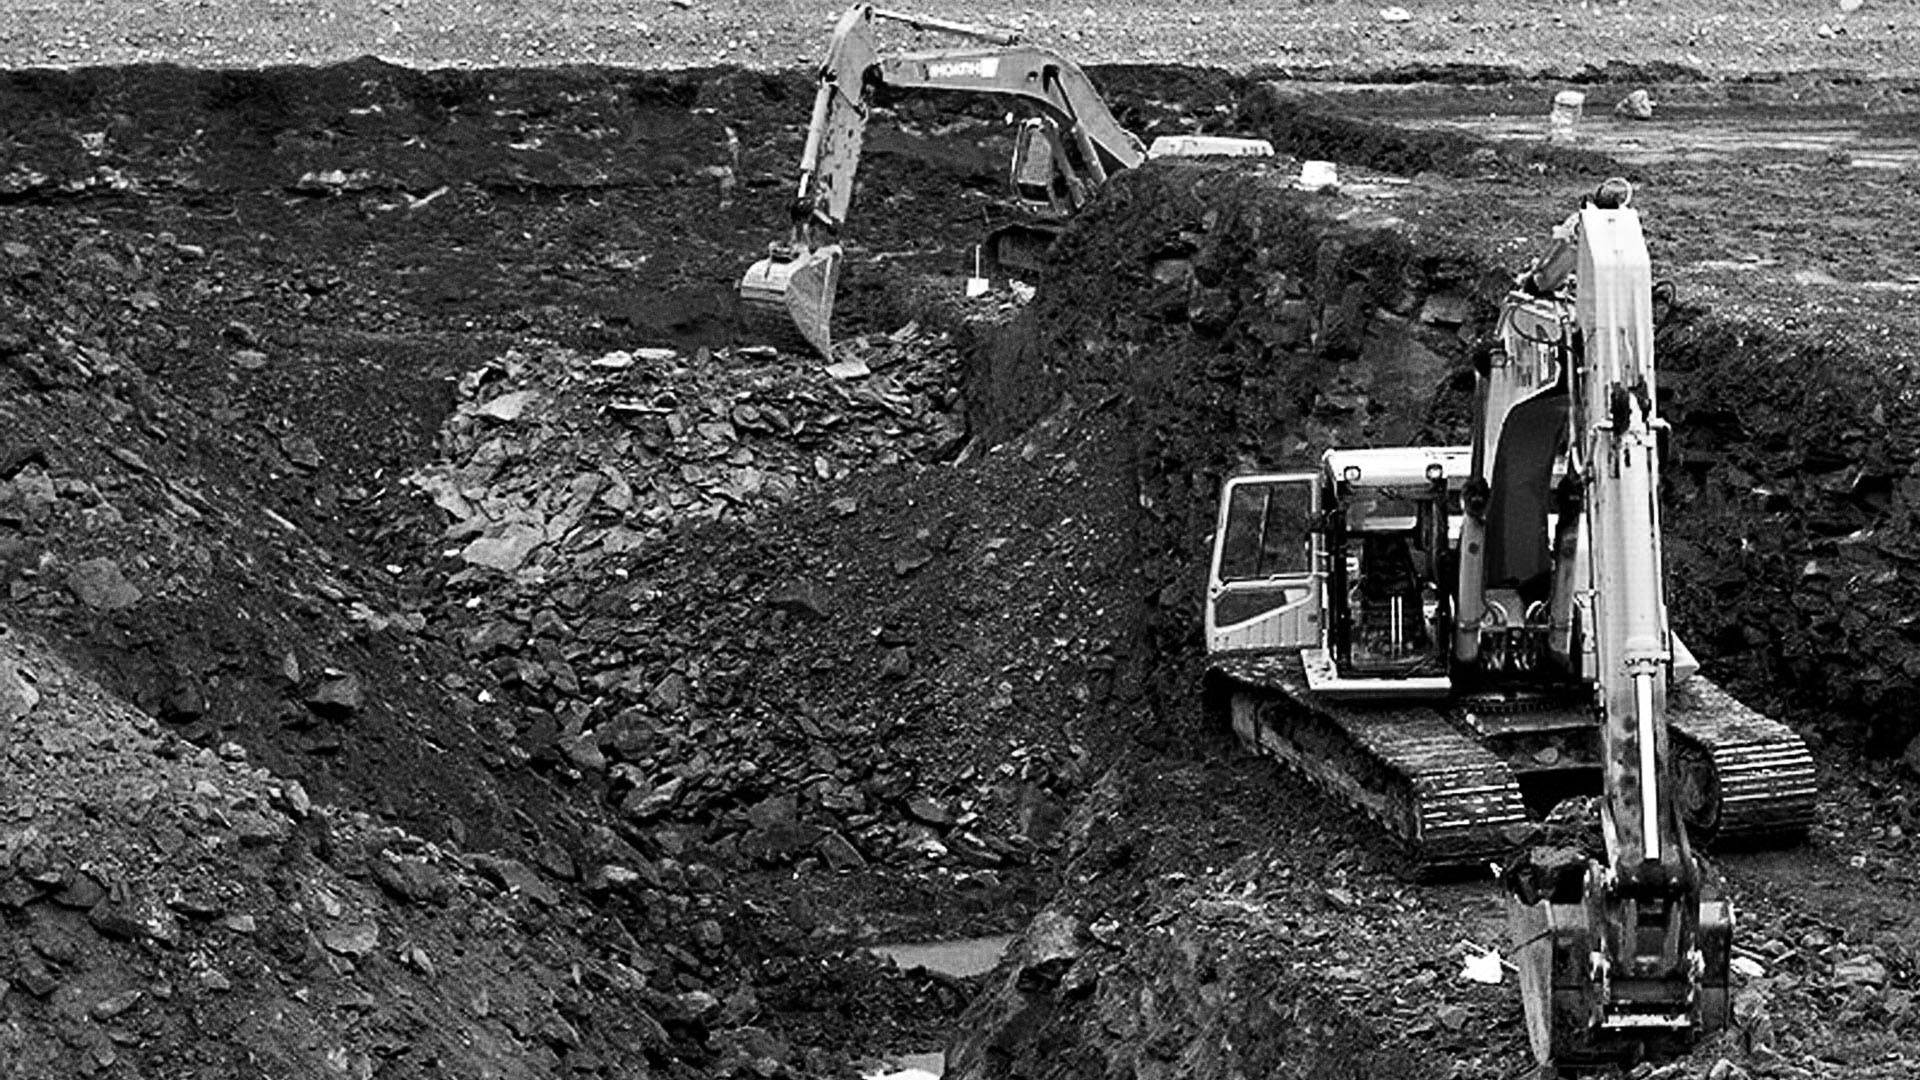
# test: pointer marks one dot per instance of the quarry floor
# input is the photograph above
(527, 669)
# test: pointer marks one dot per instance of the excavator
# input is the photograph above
(1464, 641)
(1060, 157)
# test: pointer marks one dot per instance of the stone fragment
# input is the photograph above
(413, 880)
(1860, 971)
(1753, 1019)
(506, 550)
(799, 598)
(508, 407)
(929, 811)
(134, 920)
(774, 811)
(1049, 948)
(353, 940)
(80, 891)
(645, 803)
(18, 696)
(896, 663)
(583, 753)
(692, 1007)
(516, 876)
(336, 694)
(1446, 309)
(556, 860)
(669, 693)
(780, 843)
(115, 1004)
(840, 853)
(302, 451)
(1635, 106)
(1725, 1069)
(99, 584)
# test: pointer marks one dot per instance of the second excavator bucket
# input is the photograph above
(796, 286)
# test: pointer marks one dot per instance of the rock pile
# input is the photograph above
(153, 891)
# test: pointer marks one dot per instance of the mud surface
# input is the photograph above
(561, 681)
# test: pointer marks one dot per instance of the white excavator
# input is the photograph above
(1462, 642)
(1061, 156)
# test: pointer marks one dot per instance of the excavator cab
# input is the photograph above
(1264, 589)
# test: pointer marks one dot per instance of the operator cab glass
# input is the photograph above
(1266, 549)
(1398, 518)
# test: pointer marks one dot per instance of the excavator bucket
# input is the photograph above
(796, 287)
(1580, 1017)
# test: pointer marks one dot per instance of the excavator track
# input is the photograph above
(1747, 780)
(1453, 804)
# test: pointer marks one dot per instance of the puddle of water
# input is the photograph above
(912, 1067)
(960, 959)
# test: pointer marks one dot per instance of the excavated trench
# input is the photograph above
(412, 406)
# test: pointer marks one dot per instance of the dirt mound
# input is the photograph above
(171, 909)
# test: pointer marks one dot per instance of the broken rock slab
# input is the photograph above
(99, 584)
(1049, 948)
(337, 694)
(516, 876)
(840, 853)
(17, 693)
(353, 940)
(508, 407)
(506, 551)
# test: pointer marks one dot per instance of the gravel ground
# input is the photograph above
(1346, 37)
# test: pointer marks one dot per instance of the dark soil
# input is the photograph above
(395, 433)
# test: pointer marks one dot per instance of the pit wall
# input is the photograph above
(1245, 325)
(1242, 326)
(1229, 322)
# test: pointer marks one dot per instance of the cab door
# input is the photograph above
(1264, 588)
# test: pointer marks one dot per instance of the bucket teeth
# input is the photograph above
(797, 288)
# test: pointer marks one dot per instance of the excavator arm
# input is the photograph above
(1062, 156)
(1076, 119)
(1640, 958)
